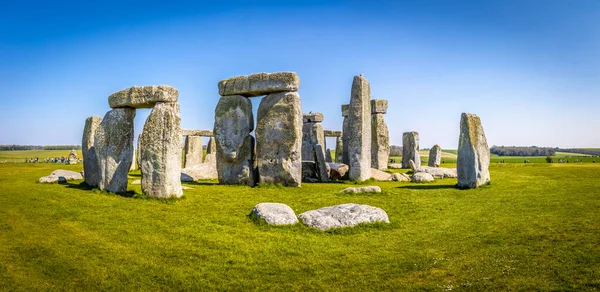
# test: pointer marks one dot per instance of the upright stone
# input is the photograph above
(473, 153)
(345, 111)
(380, 136)
(322, 172)
(193, 151)
(279, 136)
(410, 149)
(312, 134)
(139, 149)
(359, 130)
(211, 153)
(90, 160)
(114, 149)
(328, 157)
(234, 145)
(435, 156)
(161, 152)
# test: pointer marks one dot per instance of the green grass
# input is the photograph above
(536, 227)
(18, 156)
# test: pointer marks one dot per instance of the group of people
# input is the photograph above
(61, 159)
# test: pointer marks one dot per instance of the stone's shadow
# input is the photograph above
(201, 183)
(428, 187)
(85, 187)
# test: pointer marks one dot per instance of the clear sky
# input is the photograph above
(529, 69)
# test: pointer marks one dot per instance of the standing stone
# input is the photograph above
(193, 151)
(322, 172)
(139, 149)
(114, 149)
(133, 162)
(339, 149)
(380, 136)
(345, 111)
(359, 130)
(234, 145)
(473, 153)
(90, 160)
(211, 152)
(410, 149)
(435, 156)
(312, 134)
(161, 152)
(279, 136)
(328, 156)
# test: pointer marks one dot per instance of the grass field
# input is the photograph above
(536, 227)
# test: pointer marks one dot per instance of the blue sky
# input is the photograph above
(530, 69)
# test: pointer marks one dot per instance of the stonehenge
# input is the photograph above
(193, 147)
(159, 145)
(312, 134)
(359, 130)
(277, 157)
(435, 156)
(473, 153)
(410, 149)
(380, 136)
(339, 146)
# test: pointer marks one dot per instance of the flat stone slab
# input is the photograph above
(275, 213)
(61, 175)
(338, 171)
(421, 177)
(312, 118)
(379, 106)
(439, 172)
(369, 189)
(345, 215)
(330, 133)
(200, 171)
(143, 96)
(379, 175)
(259, 84)
(203, 133)
(401, 177)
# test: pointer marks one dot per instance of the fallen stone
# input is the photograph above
(143, 97)
(401, 177)
(279, 136)
(345, 215)
(359, 130)
(395, 166)
(199, 171)
(61, 176)
(379, 175)
(420, 177)
(369, 189)
(410, 149)
(275, 213)
(338, 171)
(473, 159)
(90, 159)
(435, 156)
(260, 84)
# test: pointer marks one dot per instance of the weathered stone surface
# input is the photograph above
(138, 158)
(435, 156)
(359, 130)
(211, 147)
(379, 106)
(312, 134)
(436, 172)
(322, 167)
(90, 160)
(60, 176)
(202, 133)
(260, 84)
(395, 166)
(312, 118)
(200, 171)
(473, 153)
(143, 96)
(345, 110)
(235, 147)
(328, 157)
(161, 152)
(275, 213)
(369, 189)
(345, 215)
(339, 149)
(380, 142)
(420, 177)
(338, 171)
(379, 175)
(193, 151)
(410, 149)
(279, 136)
(330, 133)
(114, 149)
(400, 177)
(309, 171)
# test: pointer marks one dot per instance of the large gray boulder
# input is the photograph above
(368, 189)
(143, 96)
(275, 213)
(312, 134)
(400, 177)
(279, 136)
(473, 153)
(193, 151)
(200, 171)
(61, 176)
(410, 149)
(345, 215)
(435, 156)
(421, 177)
(114, 149)
(161, 152)
(359, 130)
(380, 136)
(235, 147)
(436, 172)
(338, 171)
(90, 160)
(260, 84)
(379, 175)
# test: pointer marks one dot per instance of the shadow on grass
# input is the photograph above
(428, 187)
(128, 194)
(201, 183)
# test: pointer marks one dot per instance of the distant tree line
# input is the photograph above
(522, 151)
(580, 151)
(34, 147)
(395, 150)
